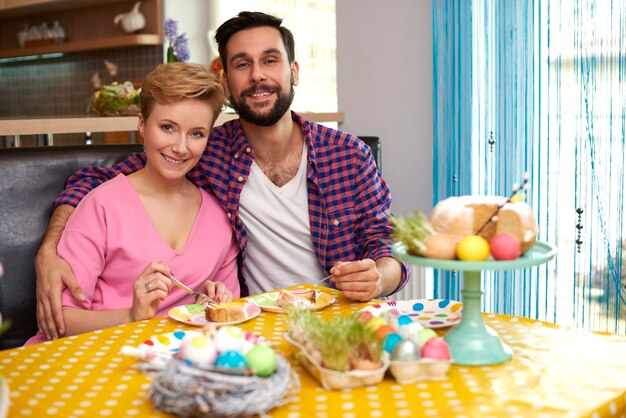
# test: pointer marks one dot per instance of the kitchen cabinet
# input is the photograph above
(88, 25)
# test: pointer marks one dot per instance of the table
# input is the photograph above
(555, 372)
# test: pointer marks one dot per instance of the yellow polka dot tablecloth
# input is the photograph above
(554, 372)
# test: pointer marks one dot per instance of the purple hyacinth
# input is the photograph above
(181, 48)
(171, 30)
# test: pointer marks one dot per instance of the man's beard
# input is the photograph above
(282, 105)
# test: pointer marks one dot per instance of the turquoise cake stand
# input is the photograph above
(471, 342)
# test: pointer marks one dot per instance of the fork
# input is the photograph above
(196, 296)
(323, 280)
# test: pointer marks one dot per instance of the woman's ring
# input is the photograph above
(149, 287)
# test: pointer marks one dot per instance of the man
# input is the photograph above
(304, 199)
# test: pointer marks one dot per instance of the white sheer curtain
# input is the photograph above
(539, 87)
(313, 26)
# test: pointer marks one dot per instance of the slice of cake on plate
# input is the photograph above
(302, 299)
(225, 312)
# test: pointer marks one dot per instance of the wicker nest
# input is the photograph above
(195, 392)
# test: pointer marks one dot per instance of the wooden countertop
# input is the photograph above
(33, 126)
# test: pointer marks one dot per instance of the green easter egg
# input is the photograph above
(425, 335)
(262, 360)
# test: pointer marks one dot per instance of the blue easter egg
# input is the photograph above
(391, 340)
(231, 360)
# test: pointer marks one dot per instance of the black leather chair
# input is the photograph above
(375, 146)
(30, 179)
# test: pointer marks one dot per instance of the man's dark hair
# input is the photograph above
(249, 20)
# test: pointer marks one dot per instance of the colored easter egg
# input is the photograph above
(250, 340)
(390, 341)
(437, 349)
(229, 338)
(441, 246)
(391, 317)
(385, 330)
(405, 350)
(261, 360)
(375, 323)
(425, 335)
(252, 337)
(365, 316)
(231, 360)
(411, 331)
(197, 350)
(505, 246)
(473, 248)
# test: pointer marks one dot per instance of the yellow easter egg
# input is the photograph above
(375, 323)
(472, 248)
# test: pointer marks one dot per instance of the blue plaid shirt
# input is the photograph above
(349, 202)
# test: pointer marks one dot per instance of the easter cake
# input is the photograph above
(301, 299)
(461, 216)
(225, 312)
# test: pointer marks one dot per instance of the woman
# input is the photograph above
(131, 234)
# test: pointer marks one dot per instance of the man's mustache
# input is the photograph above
(260, 88)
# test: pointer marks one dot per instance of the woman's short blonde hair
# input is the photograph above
(169, 83)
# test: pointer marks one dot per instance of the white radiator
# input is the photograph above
(420, 285)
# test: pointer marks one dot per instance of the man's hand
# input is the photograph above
(358, 280)
(53, 273)
(367, 279)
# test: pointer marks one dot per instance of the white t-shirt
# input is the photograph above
(280, 250)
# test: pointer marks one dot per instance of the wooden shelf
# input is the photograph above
(88, 25)
(87, 45)
(114, 124)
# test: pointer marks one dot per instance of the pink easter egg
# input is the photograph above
(505, 246)
(437, 349)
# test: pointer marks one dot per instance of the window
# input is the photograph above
(582, 111)
(539, 87)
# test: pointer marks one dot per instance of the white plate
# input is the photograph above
(267, 301)
(430, 313)
(194, 314)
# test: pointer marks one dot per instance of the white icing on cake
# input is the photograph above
(464, 215)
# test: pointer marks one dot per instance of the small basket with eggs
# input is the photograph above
(217, 372)
(340, 353)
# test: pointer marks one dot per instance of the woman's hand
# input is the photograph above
(217, 291)
(150, 289)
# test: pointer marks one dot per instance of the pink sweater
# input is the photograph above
(110, 239)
